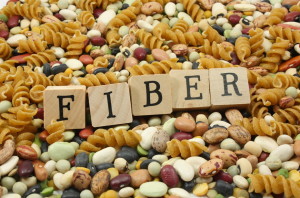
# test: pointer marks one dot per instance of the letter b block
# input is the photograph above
(65, 103)
(229, 88)
(150, 94)
(110, 104)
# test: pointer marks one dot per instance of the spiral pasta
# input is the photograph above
(62, 79)
(257, 108)
(256, 40)
(88, 5)
(271, 96)
(218, 51)
(6, 92)
(98, 79)
(86, 18)
(277, 185)
(30, 9)
(193, 9)
(100, 62)
(184, 148)
(282, 80)
(290, 115)
(162, 67)
(274, 55)
(243, 49)
(285, 33)
(113, 38)
(55, 130)
(36, 93)
(162, 2)
(125, 16)
(5, 49)
(40, 58)
(181, 26)
(54, 26)
(276, 16)
(76, 45)
(212, 35)
(7, 65)
(209, 63)
(34, 78)
(189, 38)
(149, 40)
(32, 46)
(20, 96)
(57, 39)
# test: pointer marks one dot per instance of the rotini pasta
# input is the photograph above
(181, 25)
(100, 62)
(276, 16)
(76, 45)
(55, 130)
(277, 185)
(274, 55)
(86, 18)
(162, 67)
(113, 38)
(62, 79)
(32, 46)
(285, 33)
(36, 93)
(149, 40)
(98, 79)
(5, 50)
(40, 58)
(212, 35)
(218, 51)
(88, 5)
(243, 49)
(271, 96)
(290, 115)
(193, 9)
(256, 40)
(209, 63)
(282, 80)
(184, 148)
(57, 39)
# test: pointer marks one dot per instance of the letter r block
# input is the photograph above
(190, 89)
(229, 88)
(150, 94)
(65, 103)
(110, 104)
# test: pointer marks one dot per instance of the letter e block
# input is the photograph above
(150, 94)
(229, 88)
(190, 89)
(110, 104)
(65, 103)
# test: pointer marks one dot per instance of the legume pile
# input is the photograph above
(248, 153)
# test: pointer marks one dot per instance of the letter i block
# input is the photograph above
(190, 89)
(229, 88)
(65, 103)
(110, 104)
(150, 94)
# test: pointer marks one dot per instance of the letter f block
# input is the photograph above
(65, 103)
(150, 94)
(229, 88)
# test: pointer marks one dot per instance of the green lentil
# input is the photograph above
(47, 191)
(297, 137)
(86, 194)
(173, 21)
(154, 121)
(63, 166)
(212, 193)
(141, 151)
(37, 140)
(68, 135)
(154, 169)
(123, 30)
(291, 91)
(4, 106)
(219, 196)
(283, 172)
(233, 170)
(45, 157)
(3, 17)
(193, 56)
(179, 7)
(227, 33)
(8, 182)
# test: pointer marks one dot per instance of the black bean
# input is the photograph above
(126, 53)
(195, 65)
(128, 153)
(148, 50)
(70, 193)
(219, 29)
(224, 188)
(34, 189)
(81, 160)
(16, 52)
(145, 163)
(205, 155)
(101, 69)
(47, 69)
(255, 195)
(287, 6)
(297, 19)
(104, 166)
(231, 40)
(266, 1)
(188, 186)
(78, 140)
(114, 51)
(181, 59)
(245, 35)
(92, 168)
(124, 6)
(111, 62)
(134, 123)
(151, 153)
(58, 69)
(44, 147)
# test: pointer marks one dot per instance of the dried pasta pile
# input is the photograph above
(253, 152)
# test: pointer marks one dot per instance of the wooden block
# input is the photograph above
(150, 94)
(229, 88)
(110, 104)
(190, 89)
(65, 103)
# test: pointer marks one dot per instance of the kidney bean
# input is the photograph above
(20, 58)
(292, 63)
(25, 169)
(169, 176)
(120, 181)
(4, 34)
(59, 16)
(291, 16)
(13, 21)
(223, 176)
(263, 156)
(235, 60)
(182, 136)
(97, 12)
